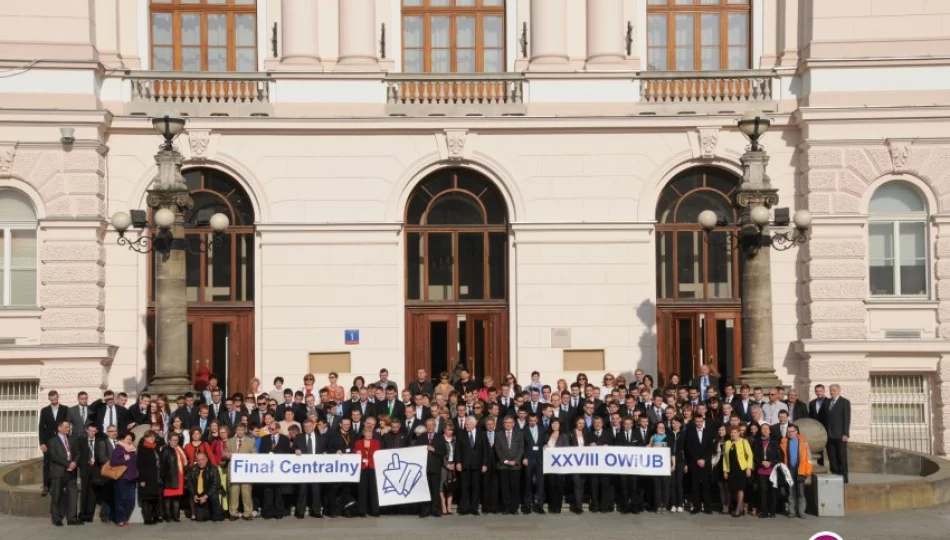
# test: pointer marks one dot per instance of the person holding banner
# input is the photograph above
(274, 443)
(662, 484)
(367, 496)
(240, 493)
(555, 482)
(510, 452)
(600, 485)
(471, 462)
(579, 437)
(434, 463)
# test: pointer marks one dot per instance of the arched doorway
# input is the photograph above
(457, 275)
(220, 283)
(697, 281)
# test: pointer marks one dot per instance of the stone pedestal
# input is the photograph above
(171, 308)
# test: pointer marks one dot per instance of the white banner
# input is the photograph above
(401, 475)
(630, 460)
(293, 469)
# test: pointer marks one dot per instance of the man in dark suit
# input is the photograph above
(534, 439)
(509, 451)
(104, 448)
(422, 384)
(655, 411)
(275, 443)
(600, 485)
(437, 450)
(140, 413)
(398, 436)
(797, 409)
(628, 483)
(309, 443)
(88, 472)
(50, 418)
(489, 480)
(818, 407)
(188, 413)
(80, 415)
(699, 451)
(839, 430)
(339, 441)
(742, 403)
(63, 471)
(471, 462)
(391, 405)
(230, 416)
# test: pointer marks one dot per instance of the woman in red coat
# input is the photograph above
(366, 448)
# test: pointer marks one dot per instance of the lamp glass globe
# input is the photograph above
(164, 219)
(121, 221)
(802, 219)
(220, 222)
(707, 220)
(760, 216)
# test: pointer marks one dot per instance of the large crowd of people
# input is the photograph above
(734, 449)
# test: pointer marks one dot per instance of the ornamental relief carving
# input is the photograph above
(455, 144)
(6, 160)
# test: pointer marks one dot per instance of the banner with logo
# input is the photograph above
(401, 475)
(294, 469)
(607, 460)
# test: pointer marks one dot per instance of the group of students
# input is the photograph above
(736, 452)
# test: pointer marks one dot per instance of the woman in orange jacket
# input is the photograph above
(796, 452)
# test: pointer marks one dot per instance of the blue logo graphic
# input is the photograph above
(401, 477)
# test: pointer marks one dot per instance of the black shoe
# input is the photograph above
(475, 513)
(105, 520)
(58, 523)
(74, 522)
(539, 510)
(694, 512)
(232, 518)
(801, 516)
(299, 516)
(247, 518)
(317, 516)
(763, 516)
(525, 511)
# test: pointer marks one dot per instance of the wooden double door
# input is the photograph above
(690, 337)
(220, 339)
(438, 338)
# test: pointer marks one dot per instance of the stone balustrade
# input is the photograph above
(455, 94)
(199, 93)
(677, 87)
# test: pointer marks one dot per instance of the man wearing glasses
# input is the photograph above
(771, 409)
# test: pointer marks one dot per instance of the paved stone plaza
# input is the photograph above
(909, 525)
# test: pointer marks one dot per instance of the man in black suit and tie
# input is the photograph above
(534, 439)
(63, 472)
(509, 451)
(189, 413)
(600, 485)
(422, 384)
(818, 407)
(839, 429)
(797, 409)
(50, 418)
(628, 482)
(104, 448)
(742, 404)
(141, 414)
(88, 472)
(655, 411)
(437, 450)
(309, 443)
(699, 451)
(229, 417)
(80, 415)
(471, 462)
(398, 436)
(275, 443)
(391, 405)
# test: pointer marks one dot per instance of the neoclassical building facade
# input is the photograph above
(510, 184)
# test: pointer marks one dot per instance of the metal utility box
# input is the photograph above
(829, 495)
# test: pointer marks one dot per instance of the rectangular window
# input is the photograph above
(898, 258)
(698, 35)
(19, 416)
(453, 36)
(204, 35)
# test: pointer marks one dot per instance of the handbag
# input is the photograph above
(113, 472)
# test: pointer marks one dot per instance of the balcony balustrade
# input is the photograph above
(200, 93)
(494, 94)
(718, 88)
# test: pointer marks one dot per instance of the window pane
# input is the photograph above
(439, 3)
(881, 254)
(218, 59)
(709, 2)
(245, 2)
(247, 59)
(245, 268)
(710, 58)
(412, 31)
(441, 267)
(217, 1)
(493, 2)
(414, 269)
(471, 266)
(657, 2)
(465, 61)
(162, 59)
(685, 59)
(245, 29)
(664, 265)
(720, 266)
(493, 61)
(190, 29)
(493, 31)
(896, 198)
(440, 32)
(192, 268)
(709, 32)
(738, 28)
(441, 62)
(656, 31)
(685, 55)
(656, 60)
(913, 257)
(689, 250)
(738, 58)
(412, 3)
(497, 257)
(23, 268)
(162, 28)
(465, 3)
(217, 31)
(412, 61)
(465, 32)
(191, 58)
(737, 1)
(218, 286)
